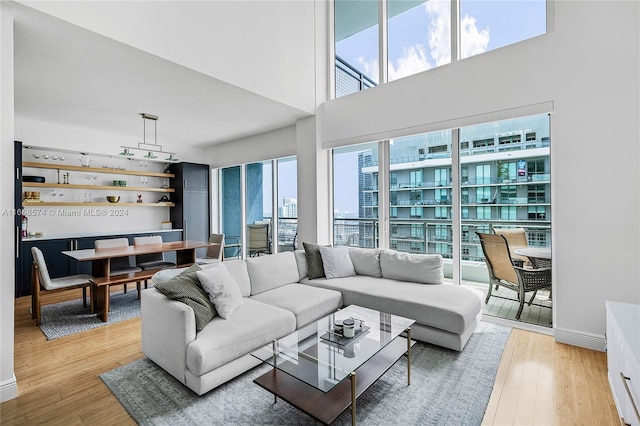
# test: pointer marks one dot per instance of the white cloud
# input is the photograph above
(413, 60)
(370, 68)
(472, 41)
(440, 30)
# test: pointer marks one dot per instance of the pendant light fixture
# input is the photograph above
(152, 149)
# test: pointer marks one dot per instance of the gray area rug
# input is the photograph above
(447, 388)
(70, 317)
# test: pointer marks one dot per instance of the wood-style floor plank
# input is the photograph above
(539, 381)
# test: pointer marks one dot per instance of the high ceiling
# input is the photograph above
(68, 75)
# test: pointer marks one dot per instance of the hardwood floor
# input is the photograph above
(539, 381)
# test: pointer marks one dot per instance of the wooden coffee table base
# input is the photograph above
(326, 407)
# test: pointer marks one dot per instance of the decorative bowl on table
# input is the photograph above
(113, 198)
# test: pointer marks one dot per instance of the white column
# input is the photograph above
(8, 385)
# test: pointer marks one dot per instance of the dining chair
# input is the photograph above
(151, 260)
(119, 265)
(41, 281)
(257, 239)
(503, 272)
(214, 253)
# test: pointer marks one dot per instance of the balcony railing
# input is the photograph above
(432, 235)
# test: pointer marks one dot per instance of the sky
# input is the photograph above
(419, 39)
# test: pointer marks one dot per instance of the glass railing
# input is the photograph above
(422, 235)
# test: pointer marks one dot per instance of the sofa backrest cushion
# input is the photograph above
(301, 260)
(366, 261)
(238, 270)
(336, 262)
(272, 271)
(420, 268)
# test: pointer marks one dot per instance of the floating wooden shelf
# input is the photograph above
(99, 187)
(63, 166)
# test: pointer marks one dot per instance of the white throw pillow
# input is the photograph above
(336, 262)
(412, 267)
(223, 290)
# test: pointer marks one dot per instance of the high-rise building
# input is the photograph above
(504, 181)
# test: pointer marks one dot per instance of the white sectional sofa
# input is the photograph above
(278, 297)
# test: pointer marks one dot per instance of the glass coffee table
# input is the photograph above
(322, 373)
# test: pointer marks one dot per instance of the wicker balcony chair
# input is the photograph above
(502, 271)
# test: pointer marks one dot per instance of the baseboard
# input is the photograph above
(579, 338)
(518, 324)
(8, 389)
(595, 342)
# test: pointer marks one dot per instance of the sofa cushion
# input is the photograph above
(447, 307)
(306, 302)
(222, 289)
(272, 271)
(419, 268)
(336, 262)
(253, 325)
(315, 269)
(185, 287)
(238, 270)
(366, 261)
(301, 260)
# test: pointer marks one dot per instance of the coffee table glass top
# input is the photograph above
(322, 359)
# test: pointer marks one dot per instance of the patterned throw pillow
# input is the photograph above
(186, 288)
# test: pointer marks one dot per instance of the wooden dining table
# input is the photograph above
(101, 264)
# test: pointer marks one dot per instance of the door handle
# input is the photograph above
(17, 242)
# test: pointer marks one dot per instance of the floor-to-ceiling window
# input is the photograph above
(258, 208)
(287, 204)
(355, 195)
(504, 182)
(231, 210)
(421, 221)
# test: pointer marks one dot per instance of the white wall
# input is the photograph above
(8, 385)
(588, 70)
(252, 44)
(265, 146)
(53, 135)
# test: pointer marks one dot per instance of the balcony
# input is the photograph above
(433, 236)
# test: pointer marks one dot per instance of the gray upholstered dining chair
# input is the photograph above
(41, 281)
(214, 253)
(503, 272)
(151, 260)
(119, 265)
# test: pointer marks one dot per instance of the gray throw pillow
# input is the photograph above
(186, 288)
(336, 262)
(315, 268)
